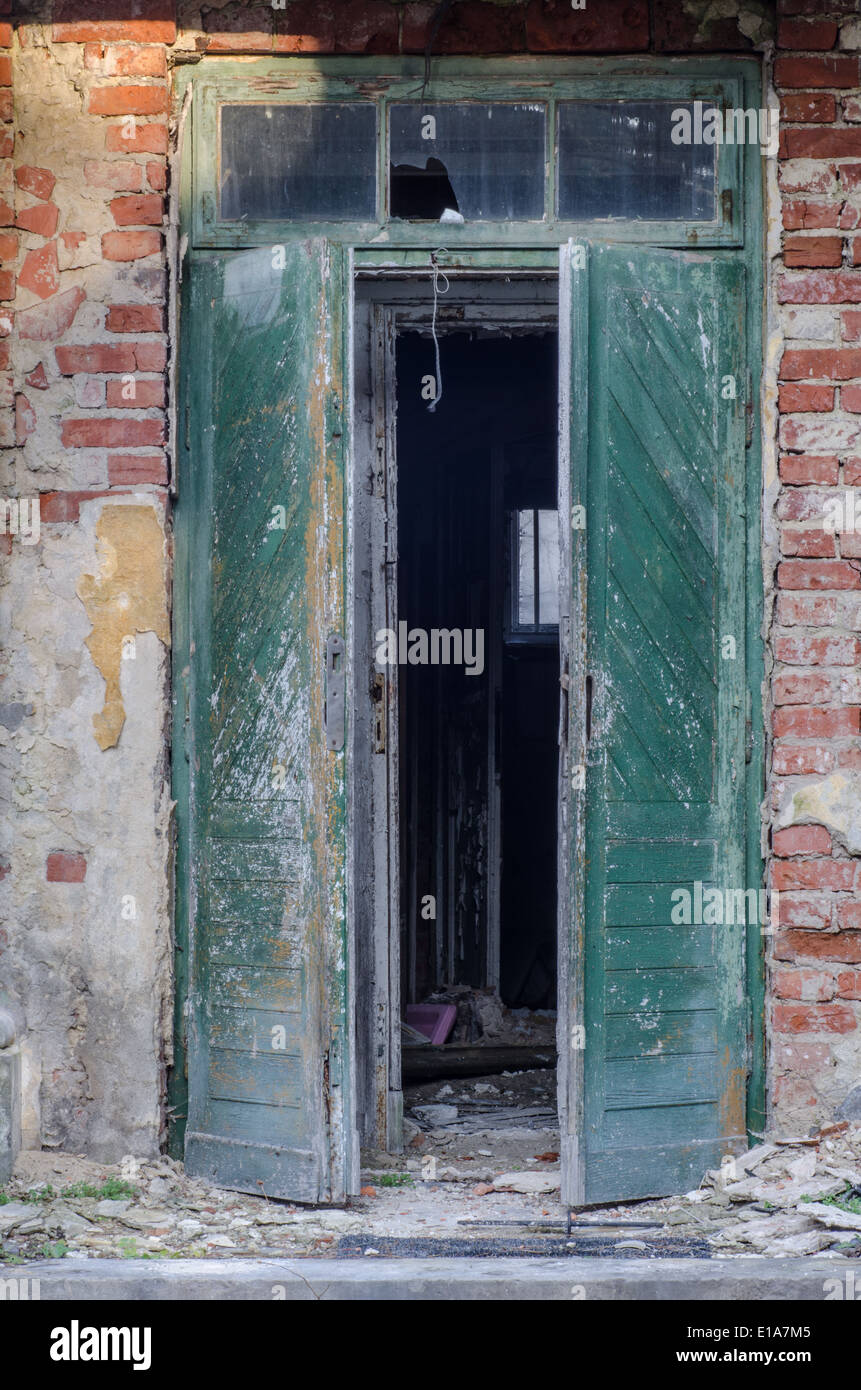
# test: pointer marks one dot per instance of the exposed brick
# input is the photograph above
(851, 471)
(61, 867)
(839, 649)
(820, 287)
(119, 174)
(839, 364)
(133, 211)
(792, 761)
(156, 173)
(802, 396)
(809, 721)
(107, 433)
(807, 34)
(811, 875)
(5, 70)
(802, 839)
(136, 469)
(57, 508)
(7, 285)
(817, 574)
(41, 219)
(810, 610)
(147, 393)
(850, 398)
(808, 542)
(811, 911)
(468, 27)
(849, 984)
(125, 60)
(150, 357)
(7, 214)
(46, 322)
(83, 21)
(802, 214)
(816, 72)
(6, 32)
(815, 986)
(808, 106)
(130, 246)
(614, 26)
(802, 1059)
(40, 272)
(101, 357)
(150, 138)
(7, 142)
(819, 433)
(827, 142)
(813, 1018)
(130, 100)
(804, 688)
(843, 947)
(39, 182)
(850, 176)
(245, 30)
(139, 318)
(37, 378)
(849, 916)
(850, 321)
(808, 468)
(812, 251)
(7, 108)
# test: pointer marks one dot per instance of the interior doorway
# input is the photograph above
(457, 536)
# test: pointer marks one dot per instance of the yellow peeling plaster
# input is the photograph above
(128, 595)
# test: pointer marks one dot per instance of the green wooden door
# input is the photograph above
(267, 380)
(655, 1062)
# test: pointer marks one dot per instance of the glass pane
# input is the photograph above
(485, 162)
(525, 568)
(311, 163)
(617, 159)
(548, 567)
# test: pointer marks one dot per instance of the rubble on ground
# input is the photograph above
(784, 1197)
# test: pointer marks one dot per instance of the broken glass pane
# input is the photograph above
(617, 159)
(485, 162)
(309, 163)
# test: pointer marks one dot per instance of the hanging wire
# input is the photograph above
(438, 274)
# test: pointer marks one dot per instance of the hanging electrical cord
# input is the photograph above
(438, 274)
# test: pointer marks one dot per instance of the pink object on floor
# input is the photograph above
(434, 1020)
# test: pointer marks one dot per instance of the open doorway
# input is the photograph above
(464, 632)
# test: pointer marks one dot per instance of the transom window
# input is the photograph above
(503, 152)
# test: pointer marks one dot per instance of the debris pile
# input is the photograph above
(783, 1197)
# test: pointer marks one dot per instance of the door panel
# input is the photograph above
(654, 1045)
(269, 1104)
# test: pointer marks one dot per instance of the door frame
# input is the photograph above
(385, 307)
(407, 255)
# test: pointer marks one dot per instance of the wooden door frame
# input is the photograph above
(389, 306)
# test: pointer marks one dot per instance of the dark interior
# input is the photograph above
(489, 448)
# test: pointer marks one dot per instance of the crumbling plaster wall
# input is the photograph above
(84, 294)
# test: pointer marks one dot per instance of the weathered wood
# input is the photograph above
(662, 473)
(269, 1082)
(451, 1059)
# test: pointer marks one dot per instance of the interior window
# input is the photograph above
(534, 571)
(617, 159)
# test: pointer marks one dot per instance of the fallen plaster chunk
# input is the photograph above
(527, 1182)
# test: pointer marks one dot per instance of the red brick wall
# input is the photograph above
(91, 332)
